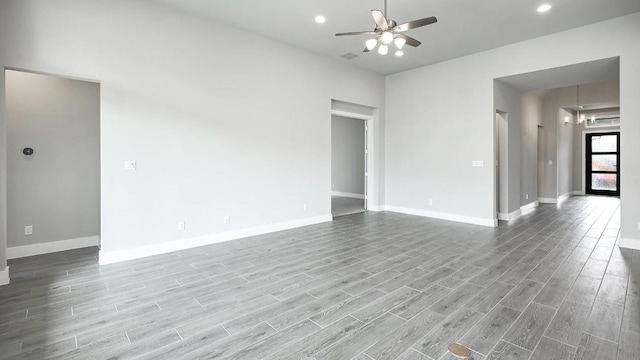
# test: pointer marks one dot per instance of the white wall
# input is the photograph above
(549, 186)
(4, 273)
(347, 155)
(524, 115)
(531, 119)
(509, 101)
(565, 154)
(57, 189)
(430, 106)
(238, 126)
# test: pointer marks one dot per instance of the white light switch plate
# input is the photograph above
(130, 165)
(477, 163)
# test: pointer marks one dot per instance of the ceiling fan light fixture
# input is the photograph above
(371, 44)
(399, 53)
(387, 37)
(399, 42)
(383, 49)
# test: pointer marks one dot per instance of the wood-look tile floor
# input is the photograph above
(550, 285)
(341, 206)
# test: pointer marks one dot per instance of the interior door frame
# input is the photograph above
(584, 155)
(370, 201)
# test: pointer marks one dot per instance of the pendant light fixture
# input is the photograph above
(580, 118)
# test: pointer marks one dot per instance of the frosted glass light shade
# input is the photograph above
(383, 49)
(371, 43)
(400, 42)
(387, 37)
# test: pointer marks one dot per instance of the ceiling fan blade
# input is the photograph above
(357, 33)
(415, 24)
(380, 19)
(410, 41)
(366, 49)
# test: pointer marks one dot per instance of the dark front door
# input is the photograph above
(603, 164)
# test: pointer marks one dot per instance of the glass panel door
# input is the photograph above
(602, 164)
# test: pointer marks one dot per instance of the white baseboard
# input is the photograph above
(516, 214)
(51, 247)
(547, 201)
(529, 206)
(579, 193)
(443, 216)
(629, 243)
(4, 276)
(508, 217)
(110, 257)
(564, 197)
(349, 195)
(375, 208)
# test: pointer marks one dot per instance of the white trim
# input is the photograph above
(444, 216)
(629, 243)
(564, 197)
(4, 276)
(516, 214)
(351, 115)
(51, 247)
(547, 201)
(376, 208)
(511, 216)
(578, 193)
(349, 195)
(529, 206)
(109, 257)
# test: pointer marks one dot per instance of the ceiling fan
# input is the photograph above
(388, 31)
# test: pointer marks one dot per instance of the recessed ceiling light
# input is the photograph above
(320, 19)
(399, 53)
(544, 8)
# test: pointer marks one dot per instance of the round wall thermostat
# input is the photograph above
(27, 151)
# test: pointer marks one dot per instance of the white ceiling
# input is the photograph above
(464, 26)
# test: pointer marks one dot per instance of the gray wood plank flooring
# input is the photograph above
(552, 284)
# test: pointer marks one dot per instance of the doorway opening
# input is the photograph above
(602, 156)
(53, 163)
(349, 157)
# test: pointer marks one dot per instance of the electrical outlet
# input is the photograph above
(28, 230)
(333, 186)
(527, 196)
(638, 225)
(430, 201)
(550, 162)
(130, 165)
(227, 219)
(304, 207)
(181, 226)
